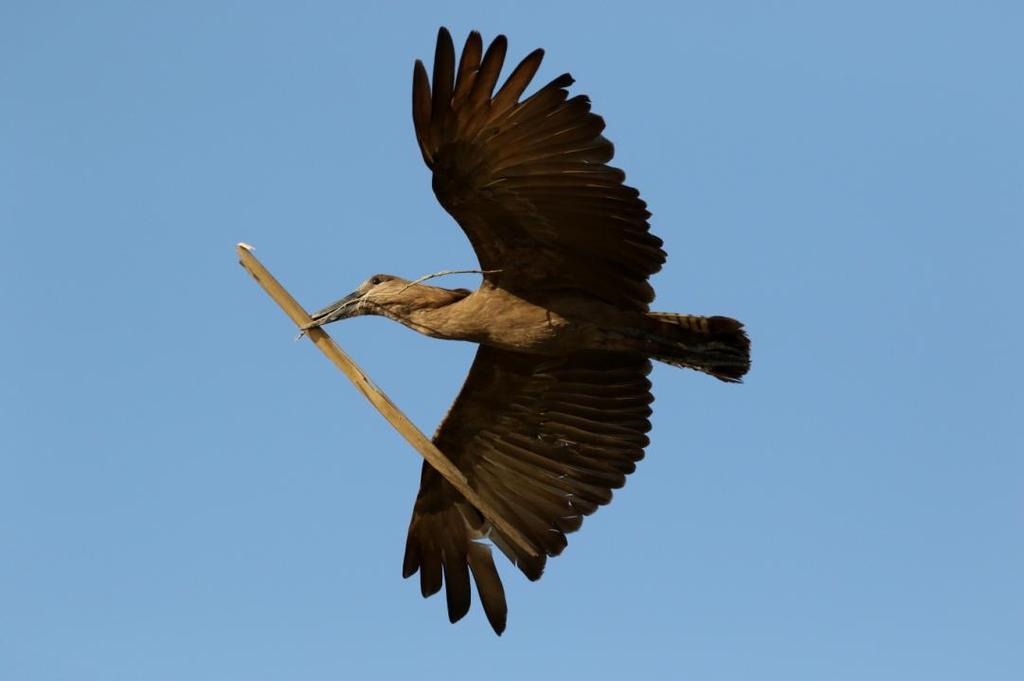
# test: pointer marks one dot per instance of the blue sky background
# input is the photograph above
(187, 493)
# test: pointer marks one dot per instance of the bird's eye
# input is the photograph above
(376, 280)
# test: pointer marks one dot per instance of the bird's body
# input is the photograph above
(551, 324)
(554, 412)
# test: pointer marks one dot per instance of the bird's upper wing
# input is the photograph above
(544, 440)
(528, 180)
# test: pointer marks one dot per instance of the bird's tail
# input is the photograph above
(714, 345)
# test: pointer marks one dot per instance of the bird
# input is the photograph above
(554, 413)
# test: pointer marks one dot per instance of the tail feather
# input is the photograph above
(718, 346)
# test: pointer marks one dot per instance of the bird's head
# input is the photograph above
(388, 296)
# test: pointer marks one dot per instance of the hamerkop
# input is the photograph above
(554, 412)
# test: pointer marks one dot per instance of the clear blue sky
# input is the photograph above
(187, 493)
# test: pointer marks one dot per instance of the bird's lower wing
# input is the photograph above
(545, 441)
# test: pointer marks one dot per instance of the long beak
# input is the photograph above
(336, 311)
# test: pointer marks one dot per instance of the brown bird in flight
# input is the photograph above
(554, 413)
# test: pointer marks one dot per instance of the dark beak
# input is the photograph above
(336, 311)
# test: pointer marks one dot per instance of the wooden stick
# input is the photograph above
(377, 398)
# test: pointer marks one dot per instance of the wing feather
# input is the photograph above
(488, 585)
(444, 74)
(487, 76)
(421, 106)
(508, 95)
(469, 64)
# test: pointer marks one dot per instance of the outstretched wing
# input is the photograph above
(544, 441)
(528, 180)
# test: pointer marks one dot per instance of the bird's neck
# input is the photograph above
(442, 319)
